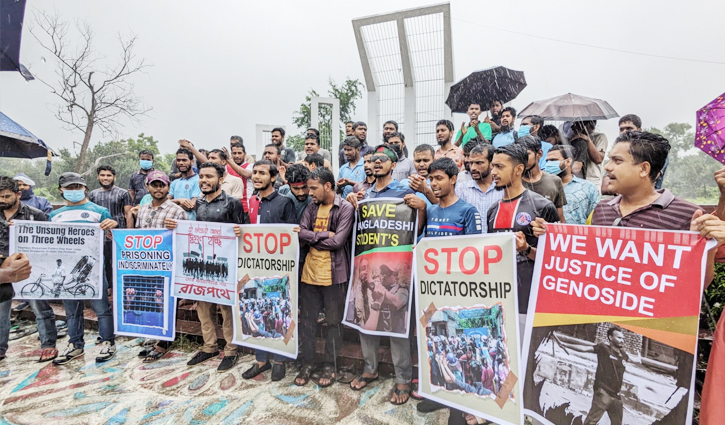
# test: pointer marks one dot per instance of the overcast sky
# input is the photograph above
(221, 67)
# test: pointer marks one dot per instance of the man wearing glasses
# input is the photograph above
(151, 216)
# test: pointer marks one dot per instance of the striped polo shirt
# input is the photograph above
(667, 212)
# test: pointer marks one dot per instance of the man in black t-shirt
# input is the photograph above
(608, 378)
(515, 212)
(547, 185)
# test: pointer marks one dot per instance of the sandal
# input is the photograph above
(153, 355)
(304, 374)
(22, 332)
(414, 390)
(328, 372)
(364, 379)
(400, 391)
(48, 354)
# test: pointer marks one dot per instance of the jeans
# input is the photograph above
(44, 318)
(603, 402)
(74, 317)
(313, 299)
(263, 357)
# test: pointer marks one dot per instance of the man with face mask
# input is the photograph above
(25, 185)
(531, 125)
(581, 195)
(11, 208)
(79, 209)
(480, 191)
(137, 185)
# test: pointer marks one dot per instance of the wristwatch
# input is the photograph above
(527, 251)
(375, 305)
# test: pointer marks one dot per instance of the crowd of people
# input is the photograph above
(266, 317)
(490, 176)
(205, 269)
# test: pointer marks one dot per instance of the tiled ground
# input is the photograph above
(125, 390)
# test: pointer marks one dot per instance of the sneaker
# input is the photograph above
(22, 306)
(201, 357)
(227, 363)
(108, 350)
(70, 353)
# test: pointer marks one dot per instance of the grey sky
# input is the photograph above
(219, 68)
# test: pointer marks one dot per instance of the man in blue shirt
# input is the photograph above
(79, 209)
(185, 190)
(353, 170)
(582, 196)
(25, 184)
(507, 134)
(452, 215)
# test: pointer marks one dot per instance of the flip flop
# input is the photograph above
(23, 333)
(366, 379)
(400, 391)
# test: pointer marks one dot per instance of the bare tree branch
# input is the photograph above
(91, 96)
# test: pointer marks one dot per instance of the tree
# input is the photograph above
(348, 92)
(122, 155)
(91, 93)
(690, 172)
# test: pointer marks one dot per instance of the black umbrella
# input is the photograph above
(17, 142)
(11, 29)
(484, 87)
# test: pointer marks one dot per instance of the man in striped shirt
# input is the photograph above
(480, 191)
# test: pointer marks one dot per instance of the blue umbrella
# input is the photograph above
(17, 142)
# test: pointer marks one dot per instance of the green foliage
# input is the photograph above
(122, 155)
(715, 297)
(296, 142)
(690, 173)
(347, 92)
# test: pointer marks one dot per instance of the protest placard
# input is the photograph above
(265, 308)
(467, 320)
(143, 265)
(613, 321)
(382, 263)
(67, 259)
(204, 261)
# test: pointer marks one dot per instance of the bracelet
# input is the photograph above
(527, 251)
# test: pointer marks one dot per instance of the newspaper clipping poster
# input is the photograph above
(204, 257)
(612, 326)
(143, 265)
(67, 259)
(467, 319)
(379, 298)
(265, 307)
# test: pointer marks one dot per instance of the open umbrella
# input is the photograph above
(11, 30)
(709, 135)
(570, 107)
(483, 87)
(17, 142)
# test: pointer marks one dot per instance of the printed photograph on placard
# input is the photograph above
(265, 307)
(143, 300)
(591, 373)
(467, 350)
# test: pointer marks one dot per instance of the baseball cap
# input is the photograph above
(67, 179)
(157, 176)
(21, 177)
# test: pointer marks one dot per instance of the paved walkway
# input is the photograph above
(125, 390)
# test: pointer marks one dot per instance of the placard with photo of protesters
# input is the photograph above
(205, 255)
(142, 301)
(265, 307)
(467, 325)
(379, 298)
(612, 326)
(67, 259)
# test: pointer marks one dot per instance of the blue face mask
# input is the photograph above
(553, 167)
(74, 196)
(146, 164)
(524, 130)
